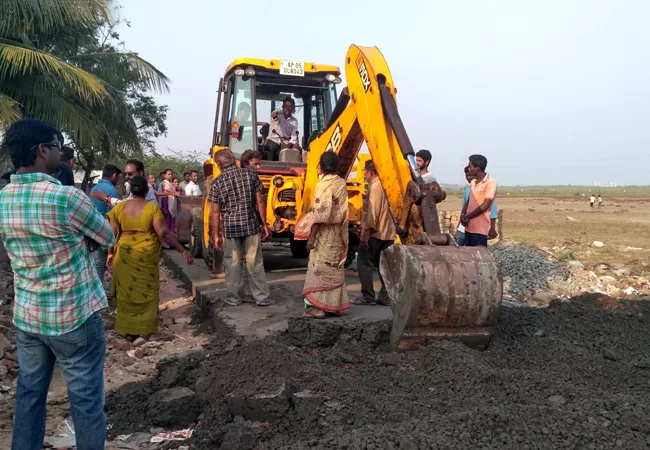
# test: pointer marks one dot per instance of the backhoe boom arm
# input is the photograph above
(367, 111)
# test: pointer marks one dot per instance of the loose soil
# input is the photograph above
(176, 308)
(573, 375)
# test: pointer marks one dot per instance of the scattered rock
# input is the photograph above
(557, 400)
(238, 437)
(571, 219)
(139, 341)
(622, 272)
(231, 345)
(121, 344)
(597, 244)
(602, 268)
(264, 406)
(5, 345)
(539, 333)
(174, 408)
(3, 399)
(610, 355)
(575, 264)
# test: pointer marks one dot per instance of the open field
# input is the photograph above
(567, 226)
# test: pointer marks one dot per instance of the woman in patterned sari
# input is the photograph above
(325, 228)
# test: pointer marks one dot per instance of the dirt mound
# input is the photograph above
(573, 375)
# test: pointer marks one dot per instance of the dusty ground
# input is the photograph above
(120, 368)
(570, 376)
(567, 226)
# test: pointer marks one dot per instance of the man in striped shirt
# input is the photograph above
(47, 230)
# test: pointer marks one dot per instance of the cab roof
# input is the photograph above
(274, 64)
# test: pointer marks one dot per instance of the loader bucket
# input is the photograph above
(441, 292)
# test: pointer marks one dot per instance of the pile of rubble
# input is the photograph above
(535, 276)
(8, 357)
(527, 269)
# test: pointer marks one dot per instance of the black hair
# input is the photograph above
(290, 100)
(139, 166)
(244, 161)
(186, 173)
(329, 163)
(479, 161)
(110, 170)
(424, 154)
(194, 171)
(466, 169)
(168, 170)
(162, 173)
(67, 153)
(176, 178)
(370, 165)
(139, 186)
(23, 137)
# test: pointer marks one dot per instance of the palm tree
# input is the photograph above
(53, 66)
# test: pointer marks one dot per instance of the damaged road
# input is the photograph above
(574, 375)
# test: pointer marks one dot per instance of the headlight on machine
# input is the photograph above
(250, 72)
(239, 72)
(330, 77)
(278, 182)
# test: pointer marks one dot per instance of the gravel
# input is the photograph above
(527, 269)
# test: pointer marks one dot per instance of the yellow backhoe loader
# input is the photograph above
(437, 290)
(249, 92)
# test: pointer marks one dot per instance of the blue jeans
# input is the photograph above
(81, 355)
(100, 256)
(460, 238)
(476, 240)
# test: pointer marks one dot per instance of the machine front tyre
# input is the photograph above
(196, 237)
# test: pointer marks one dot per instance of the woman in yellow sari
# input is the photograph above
(325, 228)
(139, 227)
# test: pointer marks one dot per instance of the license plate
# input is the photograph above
(292, 68)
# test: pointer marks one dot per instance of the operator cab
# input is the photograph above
(252, 90)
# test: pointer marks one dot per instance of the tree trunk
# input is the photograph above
(90, 163)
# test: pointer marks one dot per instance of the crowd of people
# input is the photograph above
(61, 242)
(237, 207)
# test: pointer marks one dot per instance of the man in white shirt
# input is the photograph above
(192, 189)
(283, 129)
(185, 182)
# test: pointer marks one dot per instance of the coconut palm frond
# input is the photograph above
(18, 15)
(17, 60)
(9, 111)
(111, 64)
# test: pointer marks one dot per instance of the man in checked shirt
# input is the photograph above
(233, 197)
(58, 296)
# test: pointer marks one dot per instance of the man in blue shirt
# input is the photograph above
(110, 177)
(66, 174)
(460, 231)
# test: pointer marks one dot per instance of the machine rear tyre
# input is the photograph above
(299, 249)
(196, 237)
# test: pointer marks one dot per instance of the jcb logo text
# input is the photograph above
(336, 139)
(363, 73)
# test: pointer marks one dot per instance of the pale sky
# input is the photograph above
(551, 92)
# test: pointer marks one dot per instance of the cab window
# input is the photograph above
(239, 134)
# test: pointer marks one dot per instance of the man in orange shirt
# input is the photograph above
(475, 216)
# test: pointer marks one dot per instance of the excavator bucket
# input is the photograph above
(441, 292)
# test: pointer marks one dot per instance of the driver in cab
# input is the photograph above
(283, 130)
